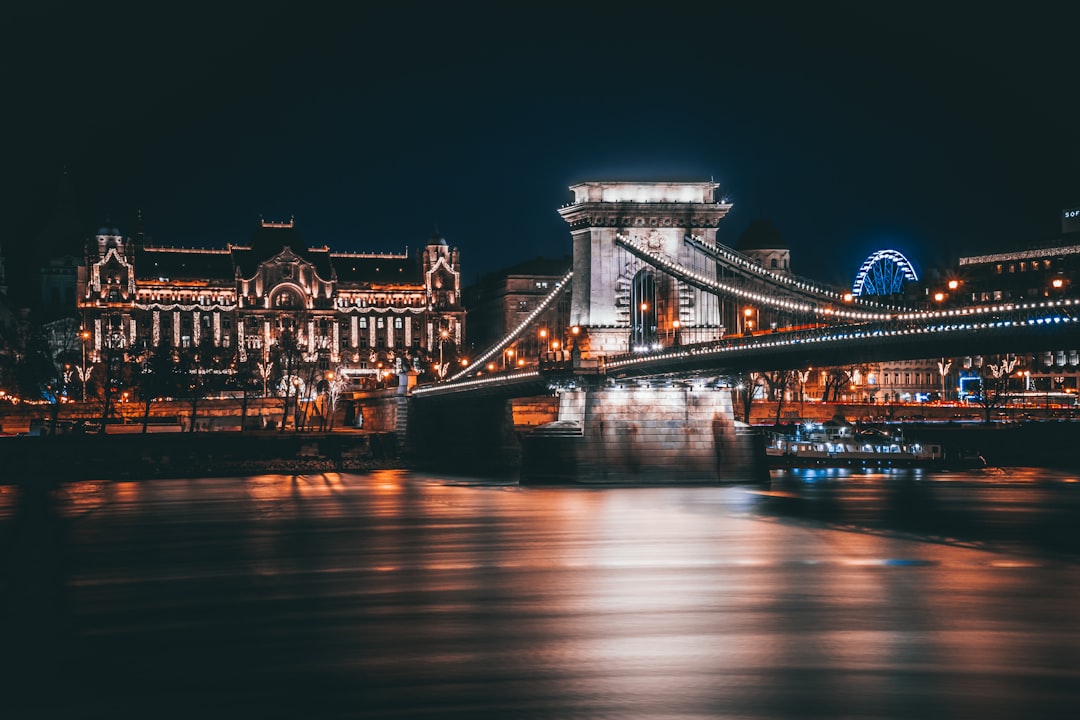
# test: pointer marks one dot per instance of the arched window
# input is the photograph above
(643, 310)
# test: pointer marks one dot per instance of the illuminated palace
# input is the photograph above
(348, 308)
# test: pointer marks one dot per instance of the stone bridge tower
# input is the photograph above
(620, 302)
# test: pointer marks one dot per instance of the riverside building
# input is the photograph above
(348, 309)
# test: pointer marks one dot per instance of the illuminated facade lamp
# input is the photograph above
(954, 284)
(1057, 283)
(848, 297)
(939, 296)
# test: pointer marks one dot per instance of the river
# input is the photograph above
(401, 595)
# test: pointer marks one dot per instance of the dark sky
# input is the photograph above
(851, 126)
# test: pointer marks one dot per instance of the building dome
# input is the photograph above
(761, 235)
(437, 239)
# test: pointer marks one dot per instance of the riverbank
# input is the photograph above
(171, 455)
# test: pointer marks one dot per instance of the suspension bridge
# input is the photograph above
(652, 297)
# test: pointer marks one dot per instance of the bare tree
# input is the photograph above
(745, 384)
(286, 356)
(994, 386)
(335, 386)
(777, 382)
(836, 378)
(156, 377)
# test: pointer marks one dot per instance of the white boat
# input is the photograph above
(839, 444)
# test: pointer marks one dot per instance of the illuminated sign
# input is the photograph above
(1070, 220)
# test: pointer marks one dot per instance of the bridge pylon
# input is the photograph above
(620, 302)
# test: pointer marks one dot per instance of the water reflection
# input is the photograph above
(393, 595)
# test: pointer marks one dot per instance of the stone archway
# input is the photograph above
(643, 310)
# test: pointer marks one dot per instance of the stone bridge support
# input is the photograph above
(647, 435)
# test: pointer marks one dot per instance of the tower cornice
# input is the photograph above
(644, 214)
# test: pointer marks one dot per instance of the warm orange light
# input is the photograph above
(464, 361)
(491, 367)
(676, 324)
(748, 312)
(953, 284)
(444, 333)
(644, 307)
(848, 297)
(521, 362)
(575, 330)
(554, 344)
(1058, 282)
(939, 296)
(330, 375)
(543, 332)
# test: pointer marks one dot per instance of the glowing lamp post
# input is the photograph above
(83, 374)
(748, 320)
(943, 368)
(443, 334)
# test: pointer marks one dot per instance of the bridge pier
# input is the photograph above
(643, 435)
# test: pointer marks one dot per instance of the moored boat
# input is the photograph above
(834, 444)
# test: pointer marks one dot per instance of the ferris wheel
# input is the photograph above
(884, 273)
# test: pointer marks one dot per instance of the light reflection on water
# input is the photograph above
(412, 595)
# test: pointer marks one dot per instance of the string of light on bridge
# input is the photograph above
(823, 335)
(731, 257)
(514, 334)
(708, 284)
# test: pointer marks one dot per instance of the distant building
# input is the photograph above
(1031, 275)
(354, 309)
(500, 301)
(59, 283)
(763, 243)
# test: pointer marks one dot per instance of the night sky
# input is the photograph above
(853, 127)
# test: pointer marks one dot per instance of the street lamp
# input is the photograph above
(676, 325)
(83, 375)
(943, 368)
(443, 334)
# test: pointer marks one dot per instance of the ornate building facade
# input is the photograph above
(352, 309)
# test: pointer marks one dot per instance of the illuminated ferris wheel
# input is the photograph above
(884, 273)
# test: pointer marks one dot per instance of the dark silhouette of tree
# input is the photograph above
(287, 356)
(994, 386)
(200, 367)
(745, 385)
(157, 376)
(247, 379)
(777, 382)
